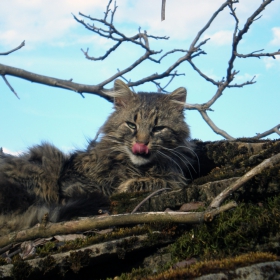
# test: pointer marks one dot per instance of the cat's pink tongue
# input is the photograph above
(139, 148)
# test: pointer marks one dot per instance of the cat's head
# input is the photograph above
(145, 126)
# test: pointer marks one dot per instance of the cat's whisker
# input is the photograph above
(193, 152)
(179, 155)
(118, 159)
(163, 154)
(186, 164)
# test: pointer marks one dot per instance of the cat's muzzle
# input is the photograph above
(140, 149)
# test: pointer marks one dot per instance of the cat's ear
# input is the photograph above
(178, 97)
(122, 94)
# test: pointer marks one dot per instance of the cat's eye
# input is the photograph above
(158, 128)
(131, 125)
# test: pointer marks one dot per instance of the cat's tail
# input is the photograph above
(84, 206)
(88, 204)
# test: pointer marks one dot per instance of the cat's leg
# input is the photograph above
(14, 198)
(144, 184)
(82, 205)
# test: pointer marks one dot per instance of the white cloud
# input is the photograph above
(246, 77)
(276, 36)
(220, 38)
(270, 62)
(7, 151)
(38, 21)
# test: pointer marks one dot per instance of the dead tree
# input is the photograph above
(105, 28)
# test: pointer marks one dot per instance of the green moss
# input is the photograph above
(231, 233)
(232, 160)
(46, 249)
(79, 259)
(48, 266)
(125, 246)
(199, 268)
(2, 261)
(220, 173)
(213, 266)
(126, 202)
(21, 269)
(95, 239)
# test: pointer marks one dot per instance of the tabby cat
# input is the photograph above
(144, 146)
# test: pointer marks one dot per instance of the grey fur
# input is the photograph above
(45, 180)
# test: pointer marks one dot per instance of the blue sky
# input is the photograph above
(53, 42)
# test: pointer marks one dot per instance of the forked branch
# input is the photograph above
(106, 28)
(82, 225)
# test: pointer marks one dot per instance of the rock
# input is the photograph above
(260, 271)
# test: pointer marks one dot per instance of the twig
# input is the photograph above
(169, 52)
(15, 49)
(107, 9)
(54, 82)
(214, 127)
(192, 46)
(103, 56)
(163, 3)
(270, 162)
(114, 220)
(207, 78)
(147, 198)
(238, 35)
(8, 84)
(275, 129)
(257, 55)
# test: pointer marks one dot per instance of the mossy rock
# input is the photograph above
(243, 233)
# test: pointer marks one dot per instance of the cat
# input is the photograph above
(144, 146)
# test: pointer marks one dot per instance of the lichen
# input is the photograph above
(200, 268)
(21, 269)
(78, 259)
(212, 266)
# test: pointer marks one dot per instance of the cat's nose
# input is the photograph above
(143, 141)
(142, 137)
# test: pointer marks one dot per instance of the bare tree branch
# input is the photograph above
(214, 127)
(230, 72)
(40, 231)
(163, 10)
(243, 84)
(207, 78)
(15, 49)
(103, 56)
(270, 162)
(105, 27)
(8, 84)
(54, 82)
(167, 53)
(275, 129)
(257, 55)
(192, 46)
(238, 35)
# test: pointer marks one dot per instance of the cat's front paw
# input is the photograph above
(142, 184)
